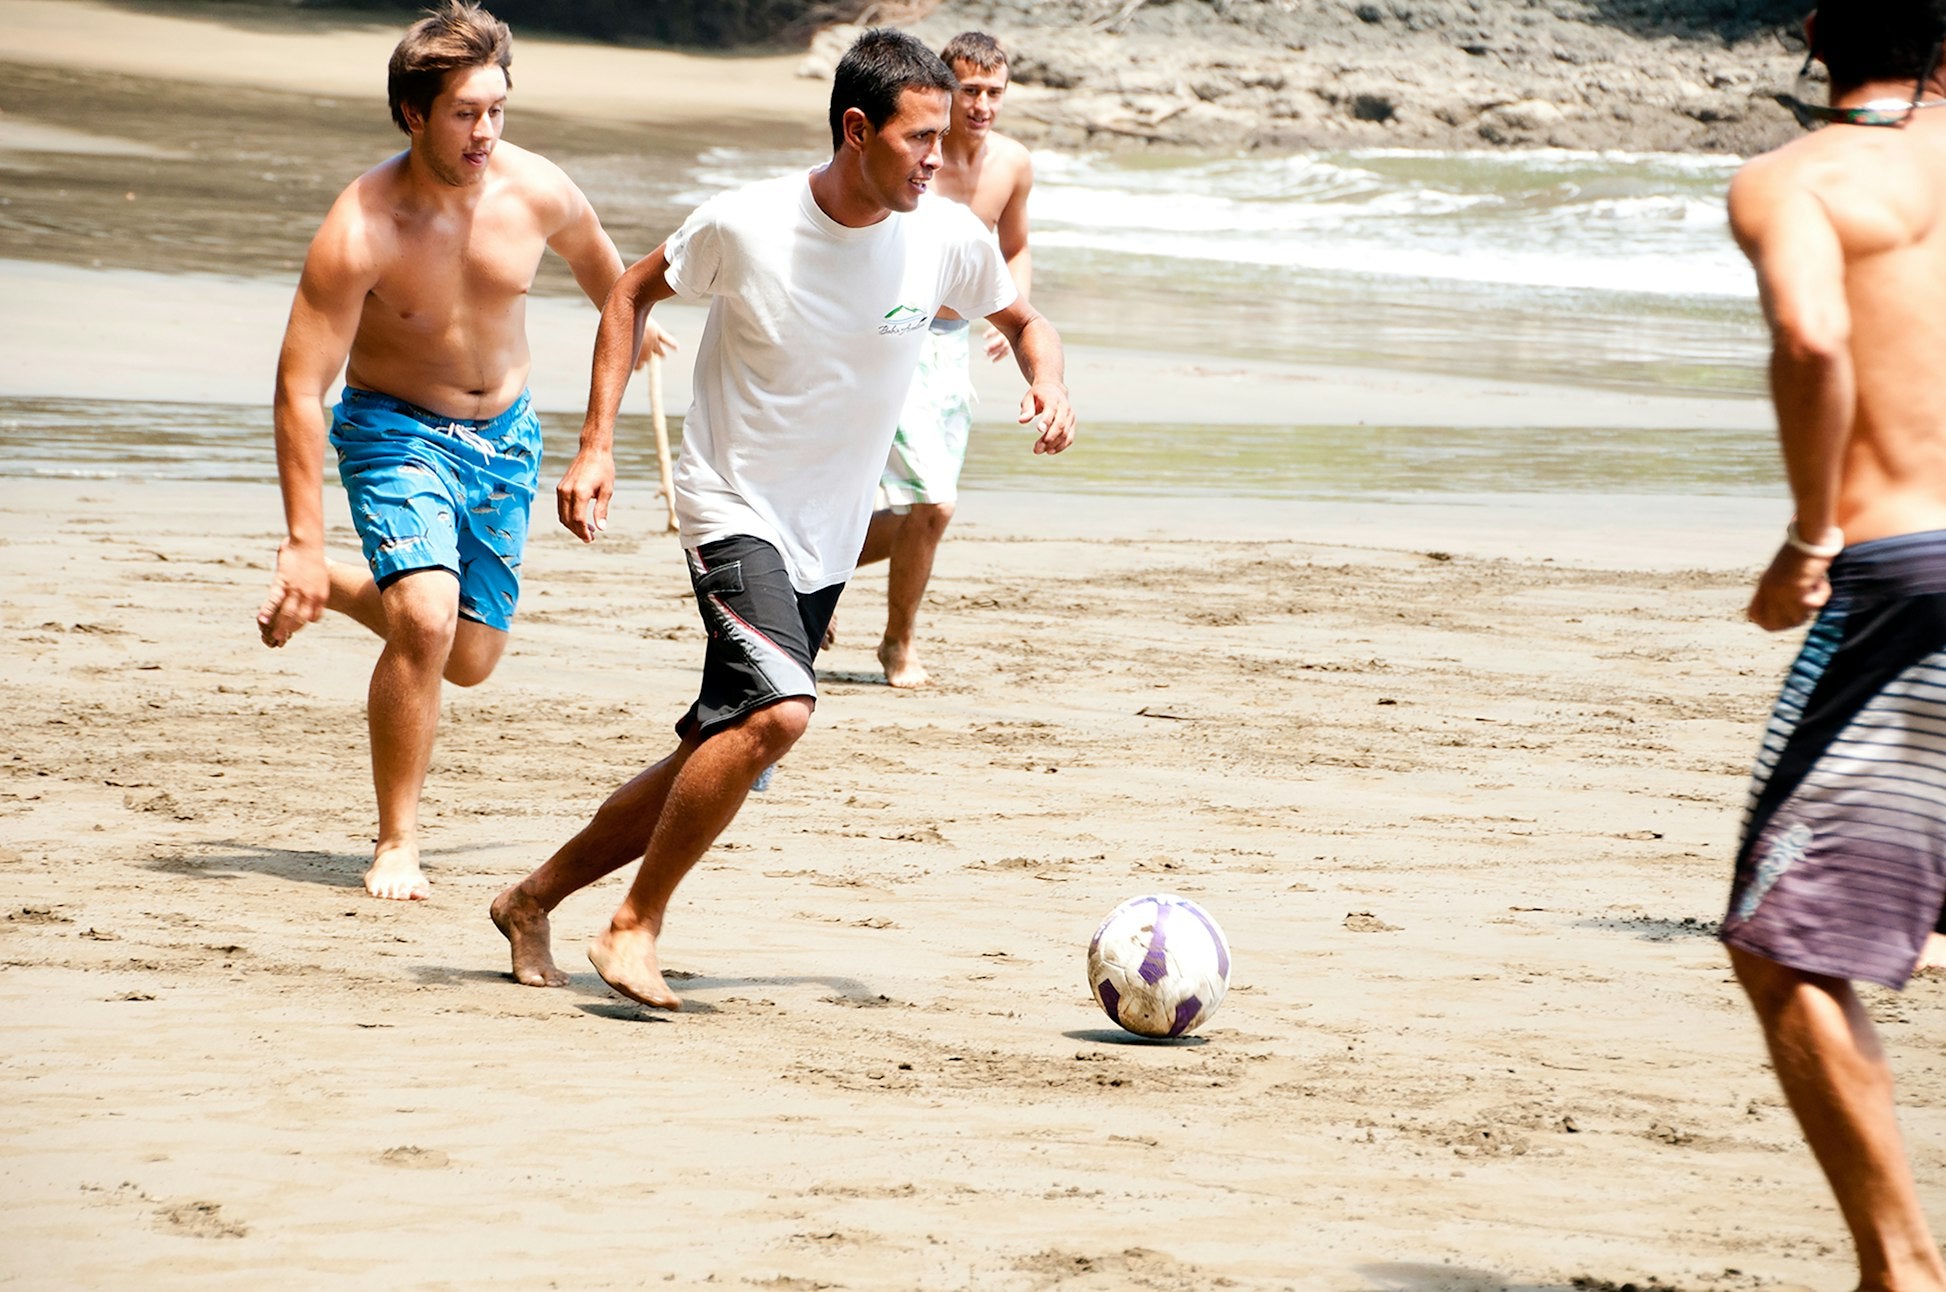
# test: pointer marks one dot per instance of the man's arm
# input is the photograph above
(1788, 234)
(1012, 232)
(338, 272)
(581, 498)
(590, 252)
(1037, 348)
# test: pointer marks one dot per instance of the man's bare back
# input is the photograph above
(1847, 227)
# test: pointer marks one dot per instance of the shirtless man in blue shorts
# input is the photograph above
(1842, 871)
(419, 277)
(821, 288)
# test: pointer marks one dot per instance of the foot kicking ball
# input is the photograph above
(1158, 965)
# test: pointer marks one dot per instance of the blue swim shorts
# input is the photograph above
(438, 493)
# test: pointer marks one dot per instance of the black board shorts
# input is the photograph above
(763, 633)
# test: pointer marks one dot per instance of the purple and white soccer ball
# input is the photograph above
(1158, 965)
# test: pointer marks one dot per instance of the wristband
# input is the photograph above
(1823, 551)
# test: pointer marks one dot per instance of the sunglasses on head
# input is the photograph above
(1883, 113)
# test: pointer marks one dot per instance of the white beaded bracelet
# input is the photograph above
(1823, 551)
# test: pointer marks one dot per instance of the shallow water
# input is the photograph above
(1601, 270)
(81, 439)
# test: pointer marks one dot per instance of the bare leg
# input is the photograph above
(353, 593)
(880, 536)
(1835, 1077)
(703, 798)
(1933, 957)
(402, 710)
(879, 540)
(618, 835)
(476, 647)
(913, 548)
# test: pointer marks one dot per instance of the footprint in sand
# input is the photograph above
(415, 1158)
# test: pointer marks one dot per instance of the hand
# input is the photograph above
(655, 344)
(996, 344)
(1792, 590)
(582, 497)
(1046, 405)
(299, 588)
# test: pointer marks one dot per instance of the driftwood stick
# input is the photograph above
(661, 423)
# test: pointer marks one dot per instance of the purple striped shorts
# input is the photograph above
(1842, 869)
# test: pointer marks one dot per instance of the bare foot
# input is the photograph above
(625, 959)
(395, 875)
(902, 666)
(527, 931)
(1933, 958)
(266, 613)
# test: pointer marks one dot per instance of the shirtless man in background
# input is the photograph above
(419, 276)
(1842, 870)
(985, 170)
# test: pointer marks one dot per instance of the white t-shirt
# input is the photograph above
(813, 336)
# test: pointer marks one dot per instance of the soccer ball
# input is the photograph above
(1158, 965)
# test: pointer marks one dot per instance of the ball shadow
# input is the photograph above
(1116, 1036)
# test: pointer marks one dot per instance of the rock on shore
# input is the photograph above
(1447, 74)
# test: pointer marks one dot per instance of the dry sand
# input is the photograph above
(1466, 821)
(344, 54)
(1461, 782)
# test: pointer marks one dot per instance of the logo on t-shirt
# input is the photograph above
(903, 318)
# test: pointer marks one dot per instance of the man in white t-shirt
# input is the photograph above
(821, 289)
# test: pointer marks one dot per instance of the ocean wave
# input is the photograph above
(1642, 223)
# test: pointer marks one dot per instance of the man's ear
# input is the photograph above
(415, 120)
(857, 128)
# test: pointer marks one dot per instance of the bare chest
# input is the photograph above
(438, 270)
(983, 186)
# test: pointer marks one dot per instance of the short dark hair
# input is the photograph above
(1878, 40)
(881, 65)
(975, 48)
(455, 35)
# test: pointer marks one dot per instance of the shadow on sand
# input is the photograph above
(1116, 1036)
(227, 858)
(1650, 928)
(1410, 1276)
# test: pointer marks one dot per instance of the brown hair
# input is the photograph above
(977, 49)
(457, 34)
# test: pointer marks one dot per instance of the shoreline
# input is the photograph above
(205, 338)
(343, 53)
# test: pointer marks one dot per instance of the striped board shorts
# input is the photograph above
(1842, 868)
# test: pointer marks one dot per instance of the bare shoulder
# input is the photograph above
(357, 233)
(537, 181)
(1010, 154)
(1877, 188)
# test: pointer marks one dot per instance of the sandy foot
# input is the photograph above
(530, 937)
(625, 959)
(1933, 958)
(395, 875)
(902, 666)
(268, 611)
